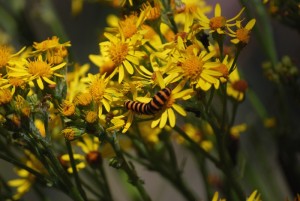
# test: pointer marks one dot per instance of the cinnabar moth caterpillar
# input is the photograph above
(156, 103)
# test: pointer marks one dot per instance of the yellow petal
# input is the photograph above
(106, 105)
(217, 10)
(172, 117)
(128, 66)
(16, 182)
(250, 24)
(49, 81)
(58, 66)
(83, 147)
(179, 109)
(155, 123)
(163, 119)
(121, 74)
(40, 83)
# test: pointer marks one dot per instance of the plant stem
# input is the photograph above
(75, 173)
(196, 146)
(130, 171)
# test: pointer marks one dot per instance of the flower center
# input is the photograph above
(118, 52)
(91, 116)
(5, 53)
(243, 35)
(39, 68)
(240, 85)
(222, 68)
(16, 82)
(217, 22)
(97, 89)
(170, 102)
(129, 26)
(192, 67)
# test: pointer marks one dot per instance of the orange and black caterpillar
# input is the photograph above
(156, 103)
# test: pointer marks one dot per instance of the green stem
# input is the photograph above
(75, 173)
(196, 146)
(105, 184)
(130, 171)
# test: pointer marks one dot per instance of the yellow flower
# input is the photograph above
(242, 34)
(67, 108)
(218, 23)
(167, 113)
(38, 70)
(49, 44)
(236, 87)
(79, 160)
(100, 92)
(188, 10)
(198, 68)
(123, 54)
(6, 55)
(26, 180)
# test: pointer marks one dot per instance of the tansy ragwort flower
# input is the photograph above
(100, 91)
(36, 70)
(242, 35)
(167, 114)
(6, 55)
(236, 87)
(124, 55)
(218, 23)
(198, 68)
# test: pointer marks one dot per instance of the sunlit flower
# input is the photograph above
(242, 35)
(218, 23)
(198, 68)
(123, 54)
(167, 114)
(27, 179)
(38, 70)
(101, 93)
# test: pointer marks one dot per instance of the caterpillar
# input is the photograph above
(156, 103)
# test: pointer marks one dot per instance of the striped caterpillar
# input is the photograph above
(156, 103)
